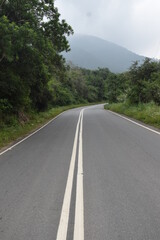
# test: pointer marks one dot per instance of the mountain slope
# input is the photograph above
(92, 52)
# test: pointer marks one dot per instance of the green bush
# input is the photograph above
(148, 113)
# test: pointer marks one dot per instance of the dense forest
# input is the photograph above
(35, 77)
(32, 38)
(140, 84)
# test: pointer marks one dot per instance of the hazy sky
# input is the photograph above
(133, 24)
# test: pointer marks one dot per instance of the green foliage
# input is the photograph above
(33, 74)
(155, 87)
(112, 88)
(5, 107)
(15, 129)
(30, 51)
(87, 85)
(141, 90)
(98, 79)
(141, 84)
(144, 83)
(77, 84)
(148, 113)
(61, 95)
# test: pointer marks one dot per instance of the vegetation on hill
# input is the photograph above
(33, 73)
(139, 93)
(148, 113)
(92, 52)
(30, 53)
(34, 77)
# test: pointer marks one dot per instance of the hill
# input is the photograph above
(92, 52)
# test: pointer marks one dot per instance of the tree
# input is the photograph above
(112, 88)
(139, 81)
(30, 51)
(155, 87)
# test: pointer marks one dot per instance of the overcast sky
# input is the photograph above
(133, 24)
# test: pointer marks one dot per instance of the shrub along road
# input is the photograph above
(89, 174)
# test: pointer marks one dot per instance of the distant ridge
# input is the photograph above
(92, 52)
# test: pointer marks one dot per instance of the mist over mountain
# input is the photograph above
(92, 52)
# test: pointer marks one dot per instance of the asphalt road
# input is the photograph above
(89, 174)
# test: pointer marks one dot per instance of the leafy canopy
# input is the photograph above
(32, 36)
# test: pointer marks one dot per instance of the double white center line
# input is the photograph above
(79, 207)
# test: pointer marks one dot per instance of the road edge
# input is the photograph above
(136, 122)
(23, 138)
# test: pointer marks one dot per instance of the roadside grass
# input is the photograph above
(148, 113)
(16, 129)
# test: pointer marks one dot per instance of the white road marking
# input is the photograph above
(79, 209)
(154, 131)
(63, 224)
(10, 148)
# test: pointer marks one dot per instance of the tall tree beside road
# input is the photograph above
(31, 40)
(143, 83)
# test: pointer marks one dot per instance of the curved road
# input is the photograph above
(88, 175)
